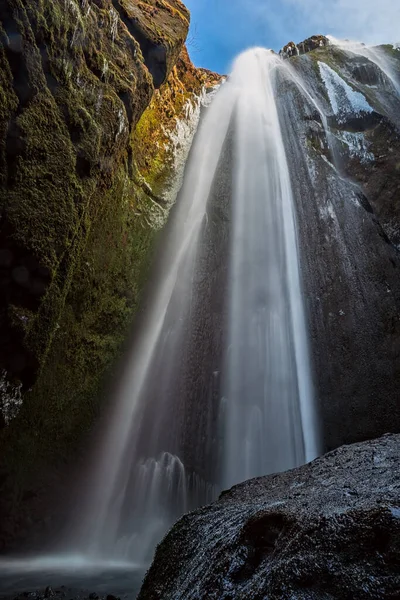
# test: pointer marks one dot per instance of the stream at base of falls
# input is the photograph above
(70, 578)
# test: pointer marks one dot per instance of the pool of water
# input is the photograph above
(74, 577)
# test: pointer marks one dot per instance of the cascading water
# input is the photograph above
(373, 54)
(217, 386)
(140, 484)
(268, 411)
(157, 462)
(383, 76)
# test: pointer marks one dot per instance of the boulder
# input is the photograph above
(327, 530)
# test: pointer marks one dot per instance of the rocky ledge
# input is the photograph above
(327, 530)
(310, 44)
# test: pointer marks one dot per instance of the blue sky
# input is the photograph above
(220, 29)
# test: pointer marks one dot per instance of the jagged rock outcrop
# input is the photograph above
(313, 43)
(289, 50)
(98, 101)
(156, 134)
(329, 529)
(310, 44)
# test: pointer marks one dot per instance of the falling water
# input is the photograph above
(268, 412)
(217, 387)
(157, 461)
(374, 54)
(140, 484)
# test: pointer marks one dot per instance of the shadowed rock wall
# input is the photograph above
(91, 96)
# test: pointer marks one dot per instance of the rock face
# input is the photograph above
(75, 83)
(98, 105)
(345, 179)
(329, 529)
(312, 43)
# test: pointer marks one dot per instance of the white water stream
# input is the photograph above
(268, 416)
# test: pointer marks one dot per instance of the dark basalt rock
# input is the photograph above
(329, 529)
(347, 209)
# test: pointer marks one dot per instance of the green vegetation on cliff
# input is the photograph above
(77, 209)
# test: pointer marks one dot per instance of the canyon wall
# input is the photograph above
(99, 102)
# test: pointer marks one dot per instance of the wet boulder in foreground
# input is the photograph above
(329, 529)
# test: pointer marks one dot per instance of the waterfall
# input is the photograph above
(268, 415)
(217, 385)
(140, 484)
(160, 455)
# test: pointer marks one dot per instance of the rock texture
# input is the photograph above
(345, 179)
(74, 84)
(98, 99)
(310, 44)
(313, 43)
(328, 530)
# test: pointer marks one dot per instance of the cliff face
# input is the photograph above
(98, 104)
(329, 529)
(346, 185)
(75, 83)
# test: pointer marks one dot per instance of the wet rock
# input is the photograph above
(114, 55)
(329, 529)
(351, 284)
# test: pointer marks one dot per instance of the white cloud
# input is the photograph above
(370, 21)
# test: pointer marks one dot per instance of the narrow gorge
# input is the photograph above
(200, 289)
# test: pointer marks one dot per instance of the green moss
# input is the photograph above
(391, 51)
(73, 208)
(70, 208)
(88, 336)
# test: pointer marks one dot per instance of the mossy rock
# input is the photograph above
(76, 232)
(79, 221)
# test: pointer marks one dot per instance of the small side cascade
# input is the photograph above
(374, 54)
